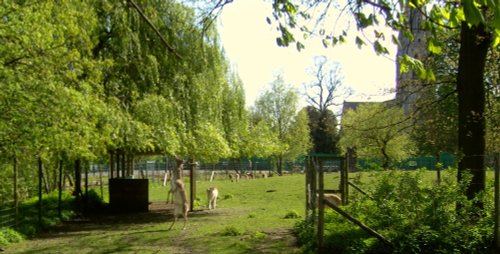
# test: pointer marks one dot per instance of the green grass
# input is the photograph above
(250, 218)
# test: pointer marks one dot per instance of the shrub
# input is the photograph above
(417, 216)
(8, 235)
(227, 196)
(29, 225)
(292, 215)
(259, 235)
(231, 231)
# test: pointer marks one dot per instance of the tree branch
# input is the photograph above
(170, 48)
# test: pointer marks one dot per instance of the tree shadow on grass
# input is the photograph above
(105, 220)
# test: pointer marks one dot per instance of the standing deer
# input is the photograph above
(181, 204)
(212, 194)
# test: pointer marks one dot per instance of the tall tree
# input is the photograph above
(377, 131)
(277, 107)
(235, 118)
(322, 93)
(479, 25)
(298, 138)
(323, 130)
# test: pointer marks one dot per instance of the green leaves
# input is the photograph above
(407, 63)
(472, 13)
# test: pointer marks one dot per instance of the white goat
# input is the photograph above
(212, 194)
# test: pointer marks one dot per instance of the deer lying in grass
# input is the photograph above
(212, 194)
(333, 198)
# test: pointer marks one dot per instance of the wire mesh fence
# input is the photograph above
(8, 215)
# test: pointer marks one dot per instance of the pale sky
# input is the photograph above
(250, 45)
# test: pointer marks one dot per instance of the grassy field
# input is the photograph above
(250, 218)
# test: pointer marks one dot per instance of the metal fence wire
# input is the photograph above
(8, 215)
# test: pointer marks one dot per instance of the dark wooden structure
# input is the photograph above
(128, 195)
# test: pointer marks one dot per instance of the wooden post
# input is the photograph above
(85, 203)
(321, 206)
(124, 165)
(308, 185)
(111, 164)
(212, 176)
(40, 172)
(78, 179)
(16, 202)
(497, 203)
(345, 197)
(59, 189)
(192, 185)
(313, 189)
(100, 182)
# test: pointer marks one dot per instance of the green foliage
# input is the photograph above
(81, 79)
(259, 235)
(277, 108)
(292, 215)
(306, 238)
(377, 132)
(8, 235)
(416, 215)
(324, 132)
(29, 213)
(231, 231)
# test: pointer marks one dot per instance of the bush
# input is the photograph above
(417, 216)
(8, 236)
(292, 215)
(29, 225)
(231, 231)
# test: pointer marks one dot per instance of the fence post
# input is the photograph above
(192, 185)
(497, 203)
(16, 205)
(40, 172)
(59, 201)
(321, 206)
(308, 185)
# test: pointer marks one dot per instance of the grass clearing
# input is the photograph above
(250, 218)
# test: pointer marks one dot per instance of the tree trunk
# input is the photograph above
(111, 164)
(78, 179)
(475, 42)
(279, 165)
(438, 168)
(59, 185)
(385, 163)
(40, 176)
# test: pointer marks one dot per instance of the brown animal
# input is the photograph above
(181, 204)
(333, 198)
(249, 176)
(235, 178)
